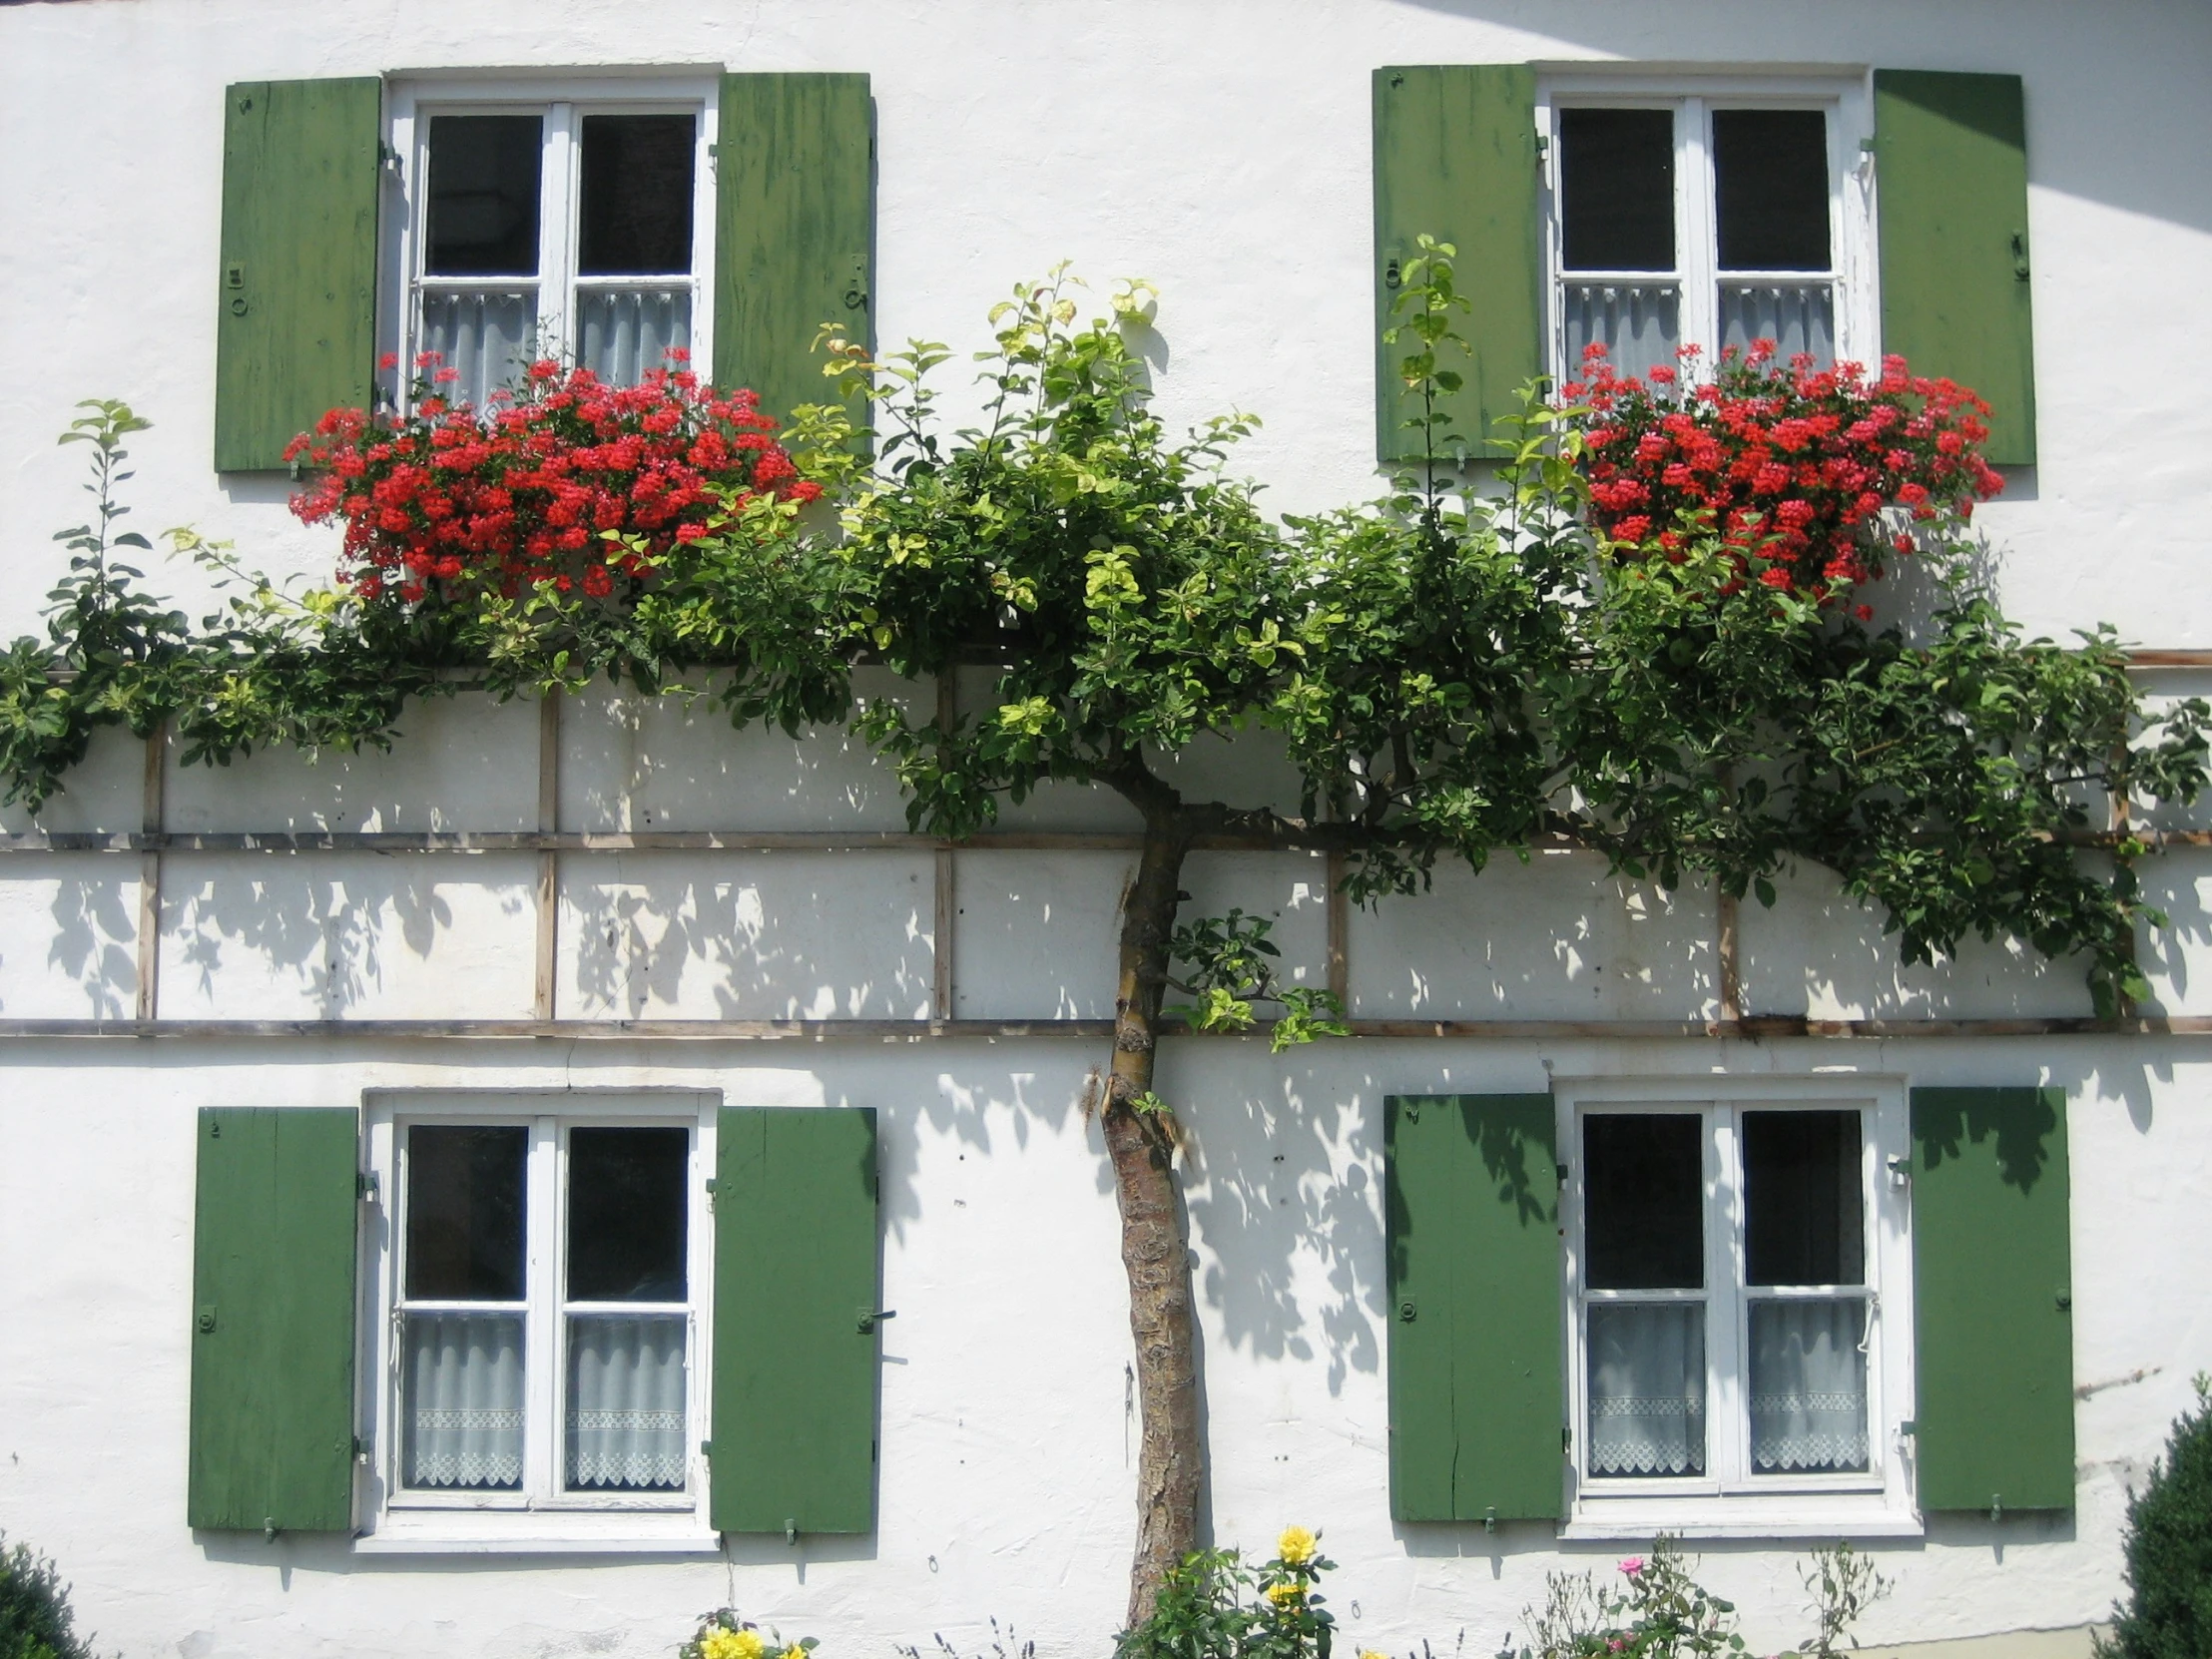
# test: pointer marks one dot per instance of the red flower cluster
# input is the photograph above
(535, 488)
(1808, 479)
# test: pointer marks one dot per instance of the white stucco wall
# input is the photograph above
(1222, 150)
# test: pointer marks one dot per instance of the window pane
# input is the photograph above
(465, 1210)
(626, 1404)
(483, 208)
(637, 187)
(1803, 1209)
(623, 332)
(1797, 316)
(1643, 1190)
(1769, 175)
(1638, 323)
(1647, 1387)
(1807, 1386)
(487, 339)
(461, 1415)
(1616, 185)
(626, 1214)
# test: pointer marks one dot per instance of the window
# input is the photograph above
(543, 1275)
(1730, 1350)
(1717, 218)
(572, 226)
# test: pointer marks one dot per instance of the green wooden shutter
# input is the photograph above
(1455, 157)
(273, 1320)
(795, 230)
(1951, 177)
(295, 328)
(794, 1384)
(1472, 1235)
(1992, 1295)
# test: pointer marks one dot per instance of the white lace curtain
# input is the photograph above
(1807, 1386)
(626, 1402)
(1647, 1387)
(461, 1416)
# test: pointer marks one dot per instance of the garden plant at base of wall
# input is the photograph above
(35, 1617)
(1212, 1606)
(1660, 1612)
(1456, 668)
(723, 1634)
(2168, 1610)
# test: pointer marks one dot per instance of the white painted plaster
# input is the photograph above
(1229, 162)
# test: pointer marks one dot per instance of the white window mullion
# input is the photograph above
(1728, 1420)
(704, 224)
(541, 1340)
(557, 233)
(1696, 233)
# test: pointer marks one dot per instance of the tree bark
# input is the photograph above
(1155, 1249)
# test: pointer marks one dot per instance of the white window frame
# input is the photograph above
(1728, 1502)
(1846, 98)
(563, 101)
(541, 1518)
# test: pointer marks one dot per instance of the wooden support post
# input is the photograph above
(944, 889)
(549, 859)
(1338, 912)
(151, 810)
(2123, 811)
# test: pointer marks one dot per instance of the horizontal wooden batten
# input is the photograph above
(747, 840)
(1753, 1029)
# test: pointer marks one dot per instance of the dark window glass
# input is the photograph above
(1616, 177)
(465, 1212)
(1643, 1183)
(1769, 172)
(626, 1198)
(637, 187)
(483, 218)
(1802, 1221)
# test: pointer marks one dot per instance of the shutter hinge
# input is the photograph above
(706, 1448)
(710, 1190)
(1490, 1519)
(366, 1185)
(1566, 1443)
(361, 1449)
(790, 1533)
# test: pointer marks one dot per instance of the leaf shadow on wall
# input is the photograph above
(327, 923)
(785, 936)
(1273, 1182)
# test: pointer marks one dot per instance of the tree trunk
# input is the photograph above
(1155, 1251)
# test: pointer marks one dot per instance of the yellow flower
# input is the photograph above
(1370, 1653)
(1286, 1595)
(1296, 1546)
(725, 1643)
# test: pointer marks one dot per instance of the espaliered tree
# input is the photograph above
(1646, 636)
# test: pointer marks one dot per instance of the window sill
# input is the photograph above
(1632, 1522)
(539, 1534)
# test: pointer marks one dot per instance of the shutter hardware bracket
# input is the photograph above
(870, 1317)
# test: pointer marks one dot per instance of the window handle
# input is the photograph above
(1874, 1310)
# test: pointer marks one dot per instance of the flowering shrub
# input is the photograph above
(569, 483)
(723, 1635)
(1810, 479)
(1660, 1612)
(1213, 1607)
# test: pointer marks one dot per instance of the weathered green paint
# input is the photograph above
(1455, 157)
(272, 1320)
(794, 1382)
(795, 227)
(1992, 1291)
(1471, 1240)
(1951, 177)
(295, 323)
